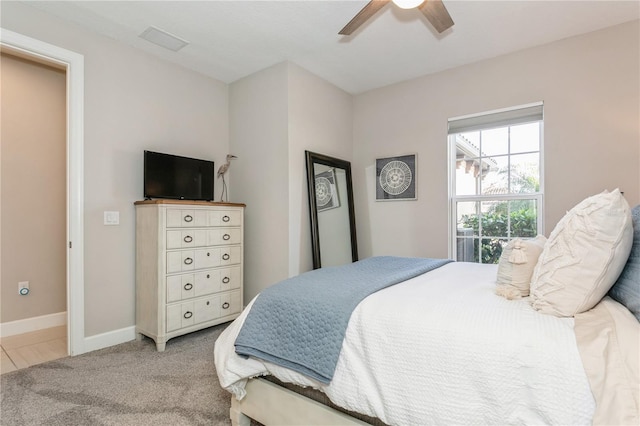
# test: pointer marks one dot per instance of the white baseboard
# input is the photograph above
(110, 338)
(27, 325)
(91, 343)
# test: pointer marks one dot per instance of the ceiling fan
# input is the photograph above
(433, 10)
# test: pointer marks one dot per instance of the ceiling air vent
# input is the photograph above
(164, 39)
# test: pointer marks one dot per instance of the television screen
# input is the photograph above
(182, 178)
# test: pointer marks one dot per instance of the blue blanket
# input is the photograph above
(300, 322)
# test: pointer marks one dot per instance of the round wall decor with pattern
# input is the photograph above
(396, 178)
(326, 191)
(323, 191)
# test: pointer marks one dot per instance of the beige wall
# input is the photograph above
(33, 145)
(277, 114)
(258, 133)
(320, 120)
(590, 88)
(133, 101)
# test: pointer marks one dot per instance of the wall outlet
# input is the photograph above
(23, 288)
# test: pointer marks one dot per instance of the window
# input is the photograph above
(495, 181)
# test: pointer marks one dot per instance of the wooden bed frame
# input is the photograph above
(271, 404)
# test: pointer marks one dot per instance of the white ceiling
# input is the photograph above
(232, 39)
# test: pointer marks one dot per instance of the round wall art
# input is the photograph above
(326, 191)
(396, 178)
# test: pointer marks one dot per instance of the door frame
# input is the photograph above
(73, 63)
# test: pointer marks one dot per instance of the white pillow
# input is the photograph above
(516, 265)
(584, 256)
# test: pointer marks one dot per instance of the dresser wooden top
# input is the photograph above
(189, 202)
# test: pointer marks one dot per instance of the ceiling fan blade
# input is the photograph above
(367, 12)
(437, 14)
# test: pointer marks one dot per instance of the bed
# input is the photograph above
(443, 348)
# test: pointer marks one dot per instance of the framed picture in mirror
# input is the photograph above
(326, 191)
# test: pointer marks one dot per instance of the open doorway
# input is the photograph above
(71, 245)
(34, 211)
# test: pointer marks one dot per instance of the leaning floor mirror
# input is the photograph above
(333, 224)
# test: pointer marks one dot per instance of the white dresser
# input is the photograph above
(188, 266)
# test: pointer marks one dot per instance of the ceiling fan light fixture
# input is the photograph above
(407, 4)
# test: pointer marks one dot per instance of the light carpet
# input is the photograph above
(127, 384)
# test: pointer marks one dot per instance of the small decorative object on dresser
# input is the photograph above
(221, 172)
(188, 266)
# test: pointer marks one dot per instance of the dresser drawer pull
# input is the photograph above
(188, 239)
(225, 256)
(208, 276)
(188, 286)
(225, 305)
(226, 237)
(188, 218)
(226, 280)
(208, 254)
(188, 261)
(188, 314)
(226, 218)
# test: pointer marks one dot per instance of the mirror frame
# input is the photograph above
(311, 159)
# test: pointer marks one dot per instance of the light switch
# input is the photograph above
(112, 218)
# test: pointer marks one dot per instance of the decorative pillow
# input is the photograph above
(516, 265)
(584, 256)
(627, 289)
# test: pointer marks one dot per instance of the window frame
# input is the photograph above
(453, 198)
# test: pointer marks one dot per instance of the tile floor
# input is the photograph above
(25, 350)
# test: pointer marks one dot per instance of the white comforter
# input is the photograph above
(442, 348)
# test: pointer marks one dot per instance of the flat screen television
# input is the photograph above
(175, 177)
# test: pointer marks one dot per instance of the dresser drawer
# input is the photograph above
(201, 310)
(189, 260)
(186, 286)
(190, 218)
(185, 238)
